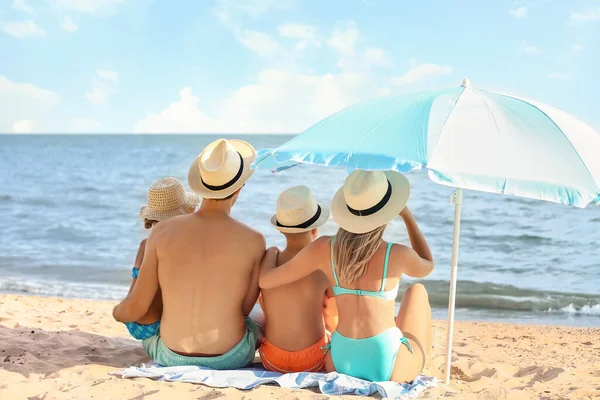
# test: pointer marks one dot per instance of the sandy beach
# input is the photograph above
(54, 348)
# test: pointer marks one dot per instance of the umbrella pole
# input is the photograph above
(456, 199)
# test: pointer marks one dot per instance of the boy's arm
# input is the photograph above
(139, 258)
(253, 288)
(330, 311)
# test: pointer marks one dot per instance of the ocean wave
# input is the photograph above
(39, 201)
(492, 296)
(87, 189)
(54, 288)
(584, 310)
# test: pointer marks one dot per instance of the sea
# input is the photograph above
(69, 227)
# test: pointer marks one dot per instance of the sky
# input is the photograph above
(278, 66)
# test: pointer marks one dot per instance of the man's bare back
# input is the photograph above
(208, 277)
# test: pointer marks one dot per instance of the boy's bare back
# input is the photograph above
(294, 312)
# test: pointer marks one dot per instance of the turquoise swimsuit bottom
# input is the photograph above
(141, 331)
(371, 358)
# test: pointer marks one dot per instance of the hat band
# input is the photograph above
(228, 184)
(376, 207)
(306, 224)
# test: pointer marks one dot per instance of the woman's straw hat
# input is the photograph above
(221, 169)
(167, 198)
(297, 211)
(369, 199)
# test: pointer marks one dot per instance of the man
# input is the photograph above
(207, 266)
(295, 331)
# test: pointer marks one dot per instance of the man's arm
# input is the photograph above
(140, 297)
(253, 288)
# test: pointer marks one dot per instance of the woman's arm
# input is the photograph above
(303, 264)
(419, 260)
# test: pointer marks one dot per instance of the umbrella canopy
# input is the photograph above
(466, 138)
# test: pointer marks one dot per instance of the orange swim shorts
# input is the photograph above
(311, 359)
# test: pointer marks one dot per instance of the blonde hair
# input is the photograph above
(353, 251)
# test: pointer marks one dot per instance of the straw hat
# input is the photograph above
(167, 198)
(369, 199)
(297, 211)
(221, 169)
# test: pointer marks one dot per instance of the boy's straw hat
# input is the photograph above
(297, 211)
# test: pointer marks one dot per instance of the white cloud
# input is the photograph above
(592, 14)
(559, 76)
(279, 101)
(306, 34)
(97, 96)
(23, 101)
(27, 91)
(107, 75)
(519, 12)
(21, 5)
(254, 8)
(344, 38)
(23, 29)
(377, 57)
(88, 6)
(103, 84)
(182, 116)
(82, 125)
(421, 72)
(259, 42)
(531, 50)
(69, 25)
(23, 126)
(577, 48)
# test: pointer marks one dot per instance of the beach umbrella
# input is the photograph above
(466, 138)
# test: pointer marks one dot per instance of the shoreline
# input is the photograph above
(65, 348)
(554, 317)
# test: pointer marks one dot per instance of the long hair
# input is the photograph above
(353, 251)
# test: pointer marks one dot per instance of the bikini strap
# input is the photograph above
(385, 266)
(337, 283)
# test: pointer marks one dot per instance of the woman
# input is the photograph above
(370, 341)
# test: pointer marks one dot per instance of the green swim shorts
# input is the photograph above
(241, 355)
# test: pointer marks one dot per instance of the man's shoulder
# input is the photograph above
(250, 233)
(173, 223)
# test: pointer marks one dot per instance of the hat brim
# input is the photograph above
(189, 206)
(362, 224)
(195, 180)
(323, 218)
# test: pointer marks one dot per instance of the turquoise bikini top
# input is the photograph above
(381, 294)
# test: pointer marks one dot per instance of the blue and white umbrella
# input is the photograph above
(466, 138)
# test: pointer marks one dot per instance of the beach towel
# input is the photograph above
(248, 378)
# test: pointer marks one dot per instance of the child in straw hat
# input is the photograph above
(166, 198)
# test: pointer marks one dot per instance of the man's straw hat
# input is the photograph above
(221, 169)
